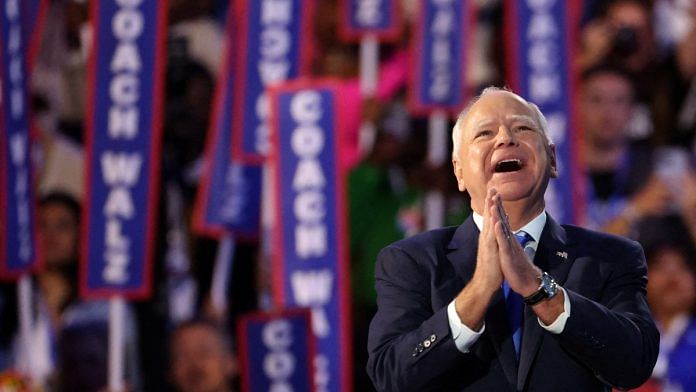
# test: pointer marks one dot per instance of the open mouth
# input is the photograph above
(508, 165)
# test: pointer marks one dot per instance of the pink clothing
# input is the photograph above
(393, 75)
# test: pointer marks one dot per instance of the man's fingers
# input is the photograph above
(502, 216)
(488, 202)
(503, 238)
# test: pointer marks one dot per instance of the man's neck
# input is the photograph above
(519, 213)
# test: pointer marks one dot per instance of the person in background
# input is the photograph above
(623, 35)
(672, 299)
(60, 230)
(621, 185)
(201, 358)
(70, 334)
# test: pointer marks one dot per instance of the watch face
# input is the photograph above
(548, 285)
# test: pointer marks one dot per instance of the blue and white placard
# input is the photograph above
(310, 266)
(18, 245)
(540, 36)
(123, 142)
(439, 55)
(276, 351)
(229, 194)
(274, 45)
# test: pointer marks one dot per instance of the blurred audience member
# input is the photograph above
(189, 92)
(621, 188)
(340, 60)
(59, 228)
(623, 35)
(61, 163)
(194, 31)
(687, 190)
(383, 207)
(201, 358)
(59, 310)
(59, 223)
(83, 359)
(672, 298)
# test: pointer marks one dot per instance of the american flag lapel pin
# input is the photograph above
(563, 255)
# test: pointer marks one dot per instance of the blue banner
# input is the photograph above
(540, 48)
(276, 351)
(18, 253)
(439, 50)
(379, 17)
(309, 257)
(229, 195)
(123, 143)
(275, 43)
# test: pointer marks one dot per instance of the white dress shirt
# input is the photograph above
(464, 336)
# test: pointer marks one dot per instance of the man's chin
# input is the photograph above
(510, 192)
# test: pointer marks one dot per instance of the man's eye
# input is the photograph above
(522, 128)
(483, 133)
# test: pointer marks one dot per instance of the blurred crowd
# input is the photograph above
(636, 122)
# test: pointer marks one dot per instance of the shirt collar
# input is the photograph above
(533, 227)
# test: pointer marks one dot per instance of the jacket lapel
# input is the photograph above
(463, 249)
(554, 256)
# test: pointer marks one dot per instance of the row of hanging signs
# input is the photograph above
(273, 130)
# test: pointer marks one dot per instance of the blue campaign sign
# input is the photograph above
(229, 195)
(275, 44)
(276, 351)
(309, 256)
(123, 142)
(18, 246)
(541, 38)
(439, 50)
(379, 17)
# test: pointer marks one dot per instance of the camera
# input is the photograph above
(625, 41)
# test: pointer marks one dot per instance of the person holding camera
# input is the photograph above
(623, 35)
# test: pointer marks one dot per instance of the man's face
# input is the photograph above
(200, 361)
(606, 108)
(629, 14)
(59, 234)
(671, 284)
(501, 146)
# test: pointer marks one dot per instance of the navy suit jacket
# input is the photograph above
(609, 339)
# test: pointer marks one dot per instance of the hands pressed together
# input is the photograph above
(501, 258)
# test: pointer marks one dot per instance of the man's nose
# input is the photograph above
(505, 137)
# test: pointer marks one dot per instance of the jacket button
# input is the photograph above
(426, 343)
(432, 338)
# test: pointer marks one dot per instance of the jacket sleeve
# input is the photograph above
(615, 336)
(410, 345)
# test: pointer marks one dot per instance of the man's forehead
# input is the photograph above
(510, 118)
(499, 105)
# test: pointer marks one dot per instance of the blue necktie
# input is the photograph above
(513, 301)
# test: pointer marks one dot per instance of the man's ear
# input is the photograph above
(552, 161)
(459, 174)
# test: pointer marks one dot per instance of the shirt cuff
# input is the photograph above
(463, 336)
(558, 325)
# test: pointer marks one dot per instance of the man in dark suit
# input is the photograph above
(471, 308)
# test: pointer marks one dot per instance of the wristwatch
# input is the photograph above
(548, 288)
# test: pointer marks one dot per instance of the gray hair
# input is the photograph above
(457, 129)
